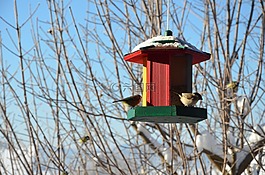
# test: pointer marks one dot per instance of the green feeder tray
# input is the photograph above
(167, 114)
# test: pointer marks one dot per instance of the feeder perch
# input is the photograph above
(167, 69)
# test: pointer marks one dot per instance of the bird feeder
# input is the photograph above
(167, 70)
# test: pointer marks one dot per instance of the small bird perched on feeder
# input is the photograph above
(130, 101)
(189, 99)
(84, 139)
(233, 85)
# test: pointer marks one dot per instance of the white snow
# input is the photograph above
(257, 134)
(141, 128)
(11, 160)
(243, 105)
(167, 154)
(165, 150)
(206, 141)
(242, 154)
(166, 41)
(231, 137)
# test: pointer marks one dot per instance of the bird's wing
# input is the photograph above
(128, 98)
(125, 99)
(188, 95)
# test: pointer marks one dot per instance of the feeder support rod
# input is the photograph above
(168, 14)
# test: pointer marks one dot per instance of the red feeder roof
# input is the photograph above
(162, 54)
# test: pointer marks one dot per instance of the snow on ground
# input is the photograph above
(166, 41)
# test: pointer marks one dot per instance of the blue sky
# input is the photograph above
(80, 12)
(79, 8)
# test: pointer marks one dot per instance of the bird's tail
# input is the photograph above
(177, 94)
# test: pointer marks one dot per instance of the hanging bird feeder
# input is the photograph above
(167, 70)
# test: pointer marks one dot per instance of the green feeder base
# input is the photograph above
(167, 114)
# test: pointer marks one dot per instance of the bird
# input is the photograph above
(131, 101)
(65, 173)
(233, 85)
(50, 31)
(84, 139)
(189, 99)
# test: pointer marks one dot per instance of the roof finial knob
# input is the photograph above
(168, 33)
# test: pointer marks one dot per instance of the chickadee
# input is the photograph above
(189, 99)
(233, 85)
(130, 101)
(84, 139)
